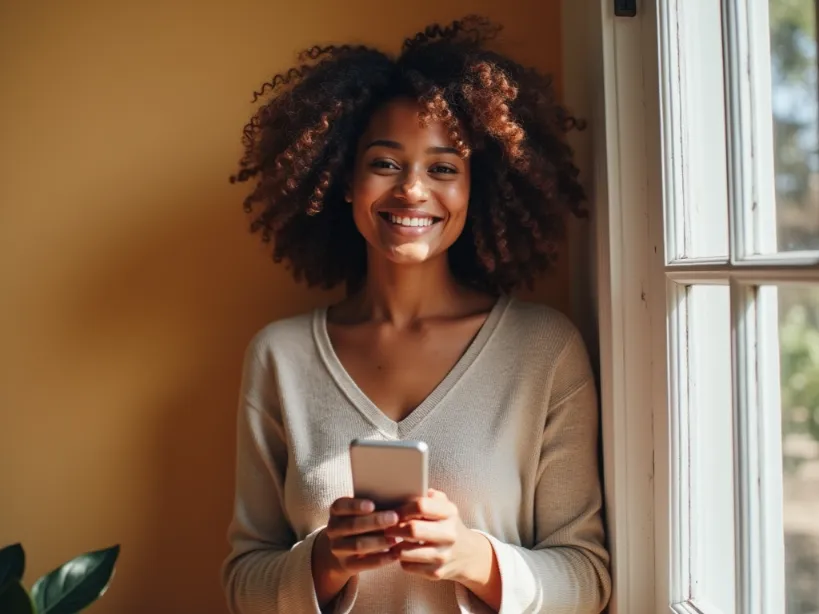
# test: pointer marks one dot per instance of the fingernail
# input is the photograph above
(389, 517)
(366, 506)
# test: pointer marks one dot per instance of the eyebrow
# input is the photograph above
(400, 147)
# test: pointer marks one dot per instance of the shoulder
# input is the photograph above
(548, 346)
(287, 336)
(540, 326)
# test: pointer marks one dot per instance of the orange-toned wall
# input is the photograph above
(129, 284)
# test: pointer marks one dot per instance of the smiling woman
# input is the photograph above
(502, 117)
(432, 185)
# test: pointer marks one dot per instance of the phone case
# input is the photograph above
(389, 472)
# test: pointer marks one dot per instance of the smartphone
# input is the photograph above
(389, 473)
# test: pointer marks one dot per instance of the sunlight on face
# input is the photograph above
(414, 252)
(410, 188)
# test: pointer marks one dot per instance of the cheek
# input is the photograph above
(364, 193)
(367, 190)
(456, 200)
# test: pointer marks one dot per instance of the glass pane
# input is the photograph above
(699, 175)
(799, 371)
(795, 93)
(706, 185)
(711, 446)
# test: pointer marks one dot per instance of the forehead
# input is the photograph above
(399, 120)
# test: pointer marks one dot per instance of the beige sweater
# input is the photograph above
(512, 434)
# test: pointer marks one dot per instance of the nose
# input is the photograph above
(413, 190)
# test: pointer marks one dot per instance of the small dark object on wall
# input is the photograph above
(625, 8)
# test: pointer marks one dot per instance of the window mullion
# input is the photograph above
(747, 460)
(763, 209)
(770, 451)
(738, 127)
(680, 452)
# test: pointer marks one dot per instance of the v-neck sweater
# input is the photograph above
(512, 436)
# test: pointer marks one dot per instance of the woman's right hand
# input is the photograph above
(352, 542)
(355, 535)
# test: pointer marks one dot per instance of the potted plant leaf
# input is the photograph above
(68, 589)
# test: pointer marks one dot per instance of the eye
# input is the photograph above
(443, 170)
(384, 165)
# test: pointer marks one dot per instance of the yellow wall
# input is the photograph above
(129, 285)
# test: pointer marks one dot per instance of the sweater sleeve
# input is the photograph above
(268, 570)
(566, 571)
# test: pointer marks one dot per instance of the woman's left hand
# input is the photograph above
(435, 542)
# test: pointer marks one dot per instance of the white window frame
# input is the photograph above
(612, 281)
(620, 73)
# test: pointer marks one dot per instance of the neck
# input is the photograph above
(405, 293)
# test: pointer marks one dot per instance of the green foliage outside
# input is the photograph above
(796, 131)
(796, 134)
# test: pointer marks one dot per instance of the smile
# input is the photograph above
(408, 221)
(413, 224)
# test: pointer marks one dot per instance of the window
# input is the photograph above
(708, 243)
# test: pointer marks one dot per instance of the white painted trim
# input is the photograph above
(749, 589)
(780, 259)
(738, 114)
(757, 451)
(632, 307)
(679, 449)
(637, 145)
(770, 436)
(751, 274)
(695, 607)
(764, 194)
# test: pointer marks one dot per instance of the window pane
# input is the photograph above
(711, 446)
(799, 369)
(698, 146)
(795, 128)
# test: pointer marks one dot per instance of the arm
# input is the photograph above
(481, 574)
(268, 570)
(567, 569)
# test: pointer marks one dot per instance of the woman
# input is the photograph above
(431, 185)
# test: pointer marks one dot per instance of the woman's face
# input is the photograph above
(410, 188)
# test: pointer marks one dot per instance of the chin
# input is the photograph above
(411, 253)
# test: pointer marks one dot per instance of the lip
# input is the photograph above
(404, 212)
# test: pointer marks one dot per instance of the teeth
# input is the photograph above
(411, 221)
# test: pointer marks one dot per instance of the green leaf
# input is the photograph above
(12, 565)
(15, 600)
(75, 585)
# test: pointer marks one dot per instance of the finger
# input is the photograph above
(357, 564)
(428, 555)
(348, 506)
(341, 526)
(362, 544)
(422, 531)
(427, 508)
(436, 494)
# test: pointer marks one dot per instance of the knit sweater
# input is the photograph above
(512, 436)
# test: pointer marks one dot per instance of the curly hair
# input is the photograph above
(300, 145)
